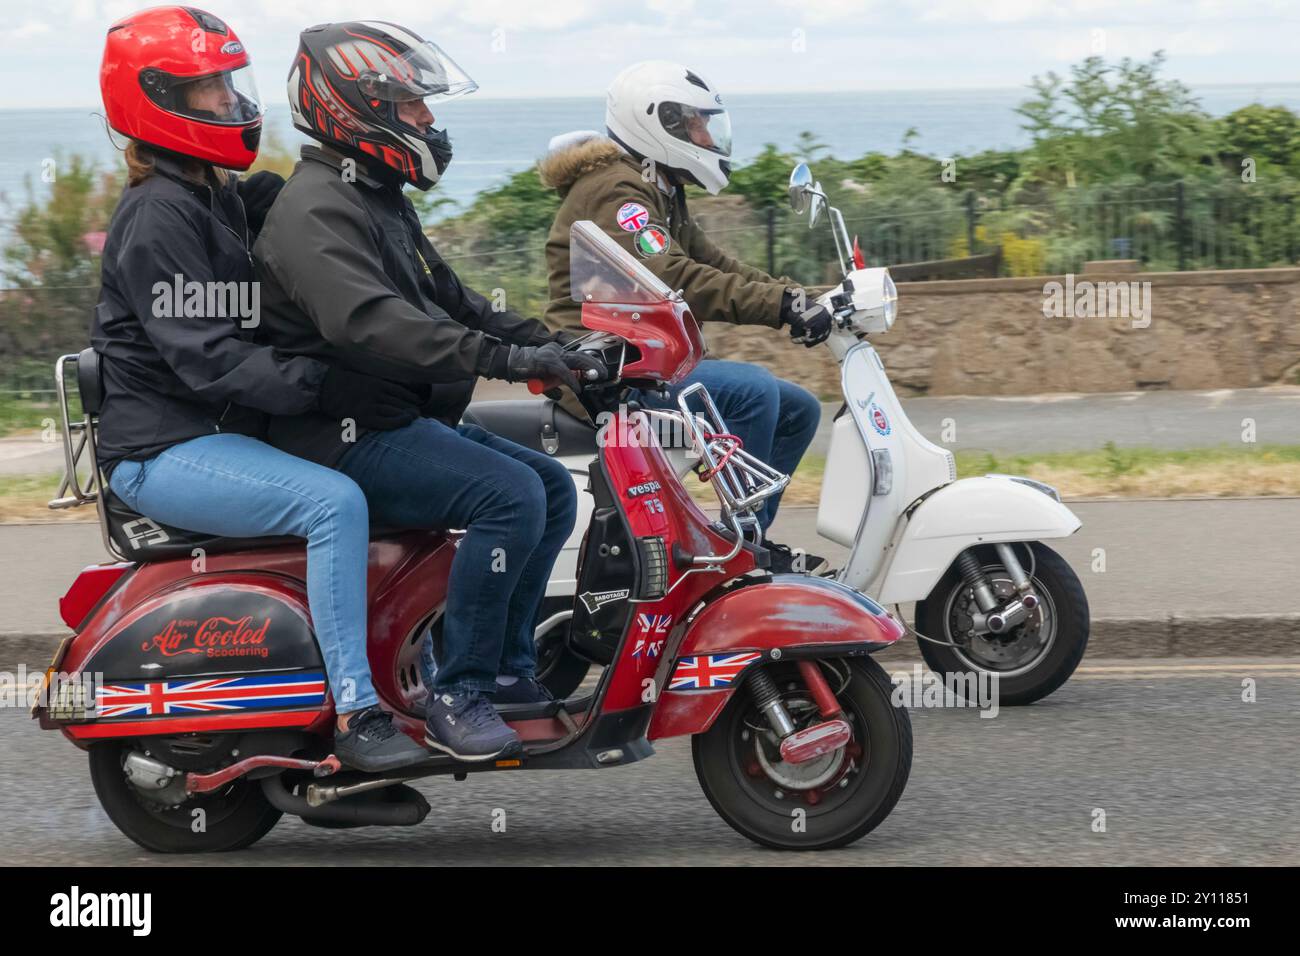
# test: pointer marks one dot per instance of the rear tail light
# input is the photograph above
(88, 590)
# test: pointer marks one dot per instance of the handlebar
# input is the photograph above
(537, 385)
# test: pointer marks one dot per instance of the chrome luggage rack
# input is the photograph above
(740, 480)
(72, 492)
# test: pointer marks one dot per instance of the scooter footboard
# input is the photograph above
(791, 616)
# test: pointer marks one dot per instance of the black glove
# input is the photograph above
(258, 191)
(370, 402)
(521, 363)
(811, 327)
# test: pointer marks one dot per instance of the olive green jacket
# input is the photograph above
(596, 179)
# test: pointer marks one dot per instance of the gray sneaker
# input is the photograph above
(468, 727)
(371, 743)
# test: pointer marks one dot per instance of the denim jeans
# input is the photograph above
(236, 486)
(517, 507)
(774, 418)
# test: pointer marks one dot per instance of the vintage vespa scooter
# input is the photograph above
(194, 680)
(990, 596)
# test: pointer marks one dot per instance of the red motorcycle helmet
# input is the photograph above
(179, 79)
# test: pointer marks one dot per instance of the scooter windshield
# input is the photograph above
(601, 271)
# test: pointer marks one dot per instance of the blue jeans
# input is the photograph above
(774, 418)
(517, 507)
(238, 487)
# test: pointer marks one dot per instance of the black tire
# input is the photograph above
(559, 670)
(755, 805)
(1026, 681)
(237, 816)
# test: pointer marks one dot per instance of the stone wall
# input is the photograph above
(1213, 329)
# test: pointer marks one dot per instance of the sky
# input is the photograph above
(574, 47)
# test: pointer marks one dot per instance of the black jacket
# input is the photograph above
(172, 377)
(348, 277)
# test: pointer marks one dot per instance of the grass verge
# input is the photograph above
(1108, 472)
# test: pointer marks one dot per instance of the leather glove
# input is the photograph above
(812, 327)
(258, 191)
(561, 337)
(547, 362)
(369, 401)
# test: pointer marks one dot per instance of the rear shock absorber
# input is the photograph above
(768, 699)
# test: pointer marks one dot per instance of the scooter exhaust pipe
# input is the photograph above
(408, 810)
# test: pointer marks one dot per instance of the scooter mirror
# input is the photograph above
(800, 183)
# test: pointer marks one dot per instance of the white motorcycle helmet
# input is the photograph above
(662, 111)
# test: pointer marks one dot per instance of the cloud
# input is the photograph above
(24, 31)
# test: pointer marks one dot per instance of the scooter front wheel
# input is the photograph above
(1032, 659)
(232, 818)
(826, 802)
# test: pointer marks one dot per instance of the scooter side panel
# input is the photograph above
(794, 613)
(229, 645)
(965, 513)
(655, 504)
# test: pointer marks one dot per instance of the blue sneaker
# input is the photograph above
(467, 727)
(526, 690)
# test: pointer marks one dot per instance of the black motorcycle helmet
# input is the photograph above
(345, 86)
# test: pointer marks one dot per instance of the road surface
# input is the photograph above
(1185, 771)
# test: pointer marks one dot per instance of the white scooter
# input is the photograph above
(990, 596)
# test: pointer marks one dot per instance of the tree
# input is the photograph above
(1114, 123)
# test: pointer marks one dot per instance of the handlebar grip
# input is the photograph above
(537, 386)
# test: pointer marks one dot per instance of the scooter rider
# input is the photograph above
(349, 278)
(667, 127)
(185, 390)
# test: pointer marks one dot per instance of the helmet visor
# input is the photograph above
(421, 72)
(706, 128)
(226, 99)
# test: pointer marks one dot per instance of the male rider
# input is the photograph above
(349, 277)
(667, 127)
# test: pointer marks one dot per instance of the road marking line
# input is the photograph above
(1159, 671)
(1183, 668)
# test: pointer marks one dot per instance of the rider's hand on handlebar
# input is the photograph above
(369, 401)
(552, 362)
(810, 327)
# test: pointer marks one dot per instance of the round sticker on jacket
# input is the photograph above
(632, 216)
(653, 240)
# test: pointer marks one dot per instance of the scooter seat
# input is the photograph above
(540, 425)
(142, 539)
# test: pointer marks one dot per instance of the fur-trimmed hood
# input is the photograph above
(572, 158)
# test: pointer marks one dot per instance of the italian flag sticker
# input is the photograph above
(652, 240)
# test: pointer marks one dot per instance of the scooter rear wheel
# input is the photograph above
(825, 803)
(232, 818)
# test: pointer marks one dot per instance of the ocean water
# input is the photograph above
(493, 138)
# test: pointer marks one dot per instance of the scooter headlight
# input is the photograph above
(889, 300)
(875, 299)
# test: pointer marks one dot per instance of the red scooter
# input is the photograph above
(194, 680)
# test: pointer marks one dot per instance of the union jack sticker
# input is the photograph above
(710, 670)
(632, 216)
(205, 695)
